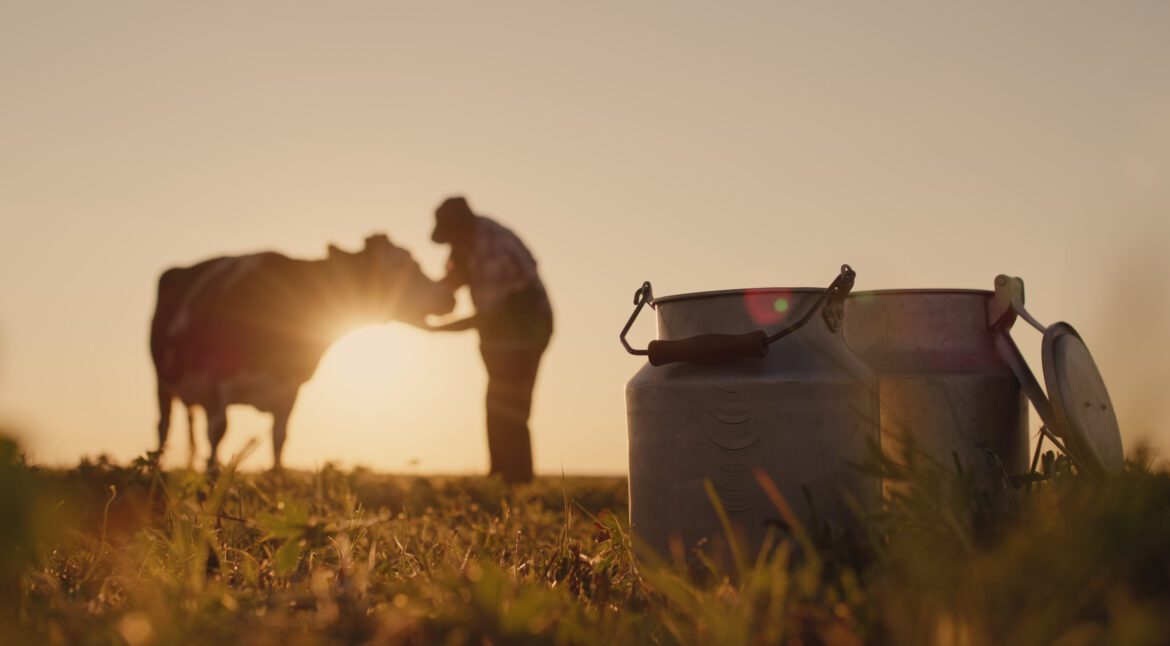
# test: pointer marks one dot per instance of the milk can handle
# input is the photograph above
(707, 349)
(645, 294)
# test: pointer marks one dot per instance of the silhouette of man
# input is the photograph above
(514, 320)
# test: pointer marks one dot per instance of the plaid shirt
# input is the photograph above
(498, 266)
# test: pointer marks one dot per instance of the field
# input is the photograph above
(110, 554)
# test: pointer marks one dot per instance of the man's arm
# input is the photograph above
(455, 277)
(456, 326)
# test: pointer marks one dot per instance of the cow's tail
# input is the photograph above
(167, 304)
(165, 399)
(165, 309)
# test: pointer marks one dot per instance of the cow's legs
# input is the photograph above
(216, 428)
(280, 429)
(164, 416)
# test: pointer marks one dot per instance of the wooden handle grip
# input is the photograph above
(707, 349)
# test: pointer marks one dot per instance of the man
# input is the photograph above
(514, 320)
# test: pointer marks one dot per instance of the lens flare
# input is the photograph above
(767, 307)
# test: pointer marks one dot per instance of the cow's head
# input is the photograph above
(382, 282)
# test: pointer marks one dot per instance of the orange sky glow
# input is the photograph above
(698, 145)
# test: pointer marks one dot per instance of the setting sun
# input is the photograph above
(391, 395)
(362, 366)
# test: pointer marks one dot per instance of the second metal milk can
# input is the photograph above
(943, 385)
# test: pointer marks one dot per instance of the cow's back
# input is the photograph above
(193, 315)
(175, 287)
(233, 316)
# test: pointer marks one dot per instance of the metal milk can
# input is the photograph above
(742, 383)
(943, 385)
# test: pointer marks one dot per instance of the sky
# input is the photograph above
(699, 145)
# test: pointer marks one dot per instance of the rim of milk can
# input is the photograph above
(916, 291)
(708, 349)
(658, 300)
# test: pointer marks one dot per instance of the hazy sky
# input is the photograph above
(701, 145)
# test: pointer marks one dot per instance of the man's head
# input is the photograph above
(454, 221)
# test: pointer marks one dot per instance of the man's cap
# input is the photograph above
(454, 206)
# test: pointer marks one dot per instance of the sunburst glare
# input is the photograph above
(363, 365)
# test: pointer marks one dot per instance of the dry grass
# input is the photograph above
(127, 554)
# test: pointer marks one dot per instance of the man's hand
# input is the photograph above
(455, 277)
(460, 325)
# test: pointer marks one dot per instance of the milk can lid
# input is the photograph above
(1080, 401)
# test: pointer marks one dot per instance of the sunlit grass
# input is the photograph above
(128, 554)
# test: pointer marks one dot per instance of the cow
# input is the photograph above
(251, 329)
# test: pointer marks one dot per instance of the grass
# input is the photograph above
(110, 554)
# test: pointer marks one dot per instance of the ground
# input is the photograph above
(111, 554)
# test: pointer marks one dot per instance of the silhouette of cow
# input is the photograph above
(252, 329)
